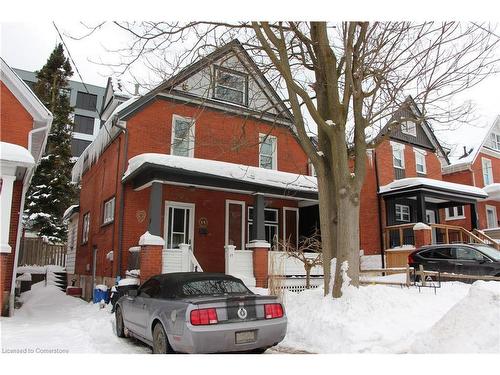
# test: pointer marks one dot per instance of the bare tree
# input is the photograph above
(308, 252)
(344, 82)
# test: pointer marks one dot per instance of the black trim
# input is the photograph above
(149, 172)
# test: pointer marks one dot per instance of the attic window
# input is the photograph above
(230, 86)
(409, 127)
(495, 141)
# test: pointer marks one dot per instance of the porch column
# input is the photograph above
(155, 204)
(259, 245)
(258, 227)
(473, 216)
(421, 216)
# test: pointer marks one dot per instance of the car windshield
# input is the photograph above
(214, 287)
(489, 251)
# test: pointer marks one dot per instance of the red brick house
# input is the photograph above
(204, 171)
(25, 124)
(479, 166)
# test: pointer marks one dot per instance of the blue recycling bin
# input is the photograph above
(100, 295)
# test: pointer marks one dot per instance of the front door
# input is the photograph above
(430, 218)
(179, 224)
(235, 224)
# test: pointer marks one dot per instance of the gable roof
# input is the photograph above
(168, 86)
(425, 126)
(464, 162)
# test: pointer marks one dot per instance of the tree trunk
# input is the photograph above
(347, 239)
(308, 276)
(328, 224)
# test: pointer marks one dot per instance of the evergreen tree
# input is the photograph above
(51, 191)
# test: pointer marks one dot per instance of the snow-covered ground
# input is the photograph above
(375, 318)
(50, 320)
(385, 319)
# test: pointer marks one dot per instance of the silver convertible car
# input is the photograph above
(198, 312)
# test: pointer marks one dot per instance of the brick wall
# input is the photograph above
(16, 123)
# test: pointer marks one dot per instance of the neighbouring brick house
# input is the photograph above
(479, 166)
(25, 123)
(204, 171)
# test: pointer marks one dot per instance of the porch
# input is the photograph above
(219, 217)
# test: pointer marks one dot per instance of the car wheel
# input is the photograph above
(120, 328)
(160, 340)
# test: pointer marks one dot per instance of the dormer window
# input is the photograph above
(230, 86)
(409, 127)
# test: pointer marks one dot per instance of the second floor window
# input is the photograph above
(398, 155)
(420, 161)
(109, 211)
(230, 86)
(86, 227)
(487, 171)
(183, 136)
(86, 101)
(267, 151)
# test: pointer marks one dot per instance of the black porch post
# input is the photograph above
(258, 227)
(473, 216)
(421, 216)
(155, 209)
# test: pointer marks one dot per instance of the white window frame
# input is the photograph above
(242, 75)
(495, 214)
(192, 132)
(192, 216)
(420, 153)
(495, 141)
(243, 221)
(398, 147)
(285, 209)
(455, 215)
(312, 170)
(266, 222)
(401, 214)
(85, 227)
(408, 124)
(487, 167)
(109, 211)
(274, 156)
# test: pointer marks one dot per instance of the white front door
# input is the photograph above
(179, 224)
(430, 216)
(491, 217)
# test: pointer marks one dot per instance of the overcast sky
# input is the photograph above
(27, 46)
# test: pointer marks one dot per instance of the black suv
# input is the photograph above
(466, 259)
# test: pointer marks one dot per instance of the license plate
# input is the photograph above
(245, 337)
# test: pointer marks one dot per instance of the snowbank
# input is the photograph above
(373, 318)
(471, 326)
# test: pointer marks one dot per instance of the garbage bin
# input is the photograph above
(101, 293)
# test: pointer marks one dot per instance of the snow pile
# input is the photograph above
(101, 287)
(231, 171)
(150, 239)
(40, 269)
(133, 273)
(129, 281)
(471, 326)
(49, 320)
(24, 277)
(373, 318)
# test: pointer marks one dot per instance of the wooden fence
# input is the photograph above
(33, 251)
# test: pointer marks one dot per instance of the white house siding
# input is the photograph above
(71, 245)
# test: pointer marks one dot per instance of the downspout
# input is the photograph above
(122, 201)
(379, 207)
(30, 173)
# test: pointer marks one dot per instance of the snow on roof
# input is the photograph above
(410, 182)
(101, 141)
(493, 191)
(16, 154)
(229, 170)
(69, 210)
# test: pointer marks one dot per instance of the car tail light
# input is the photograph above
(273, 310)
(201, 317)
(410, 258)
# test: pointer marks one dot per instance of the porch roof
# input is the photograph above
(421, 184)
(143, 169)
(493, 191)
